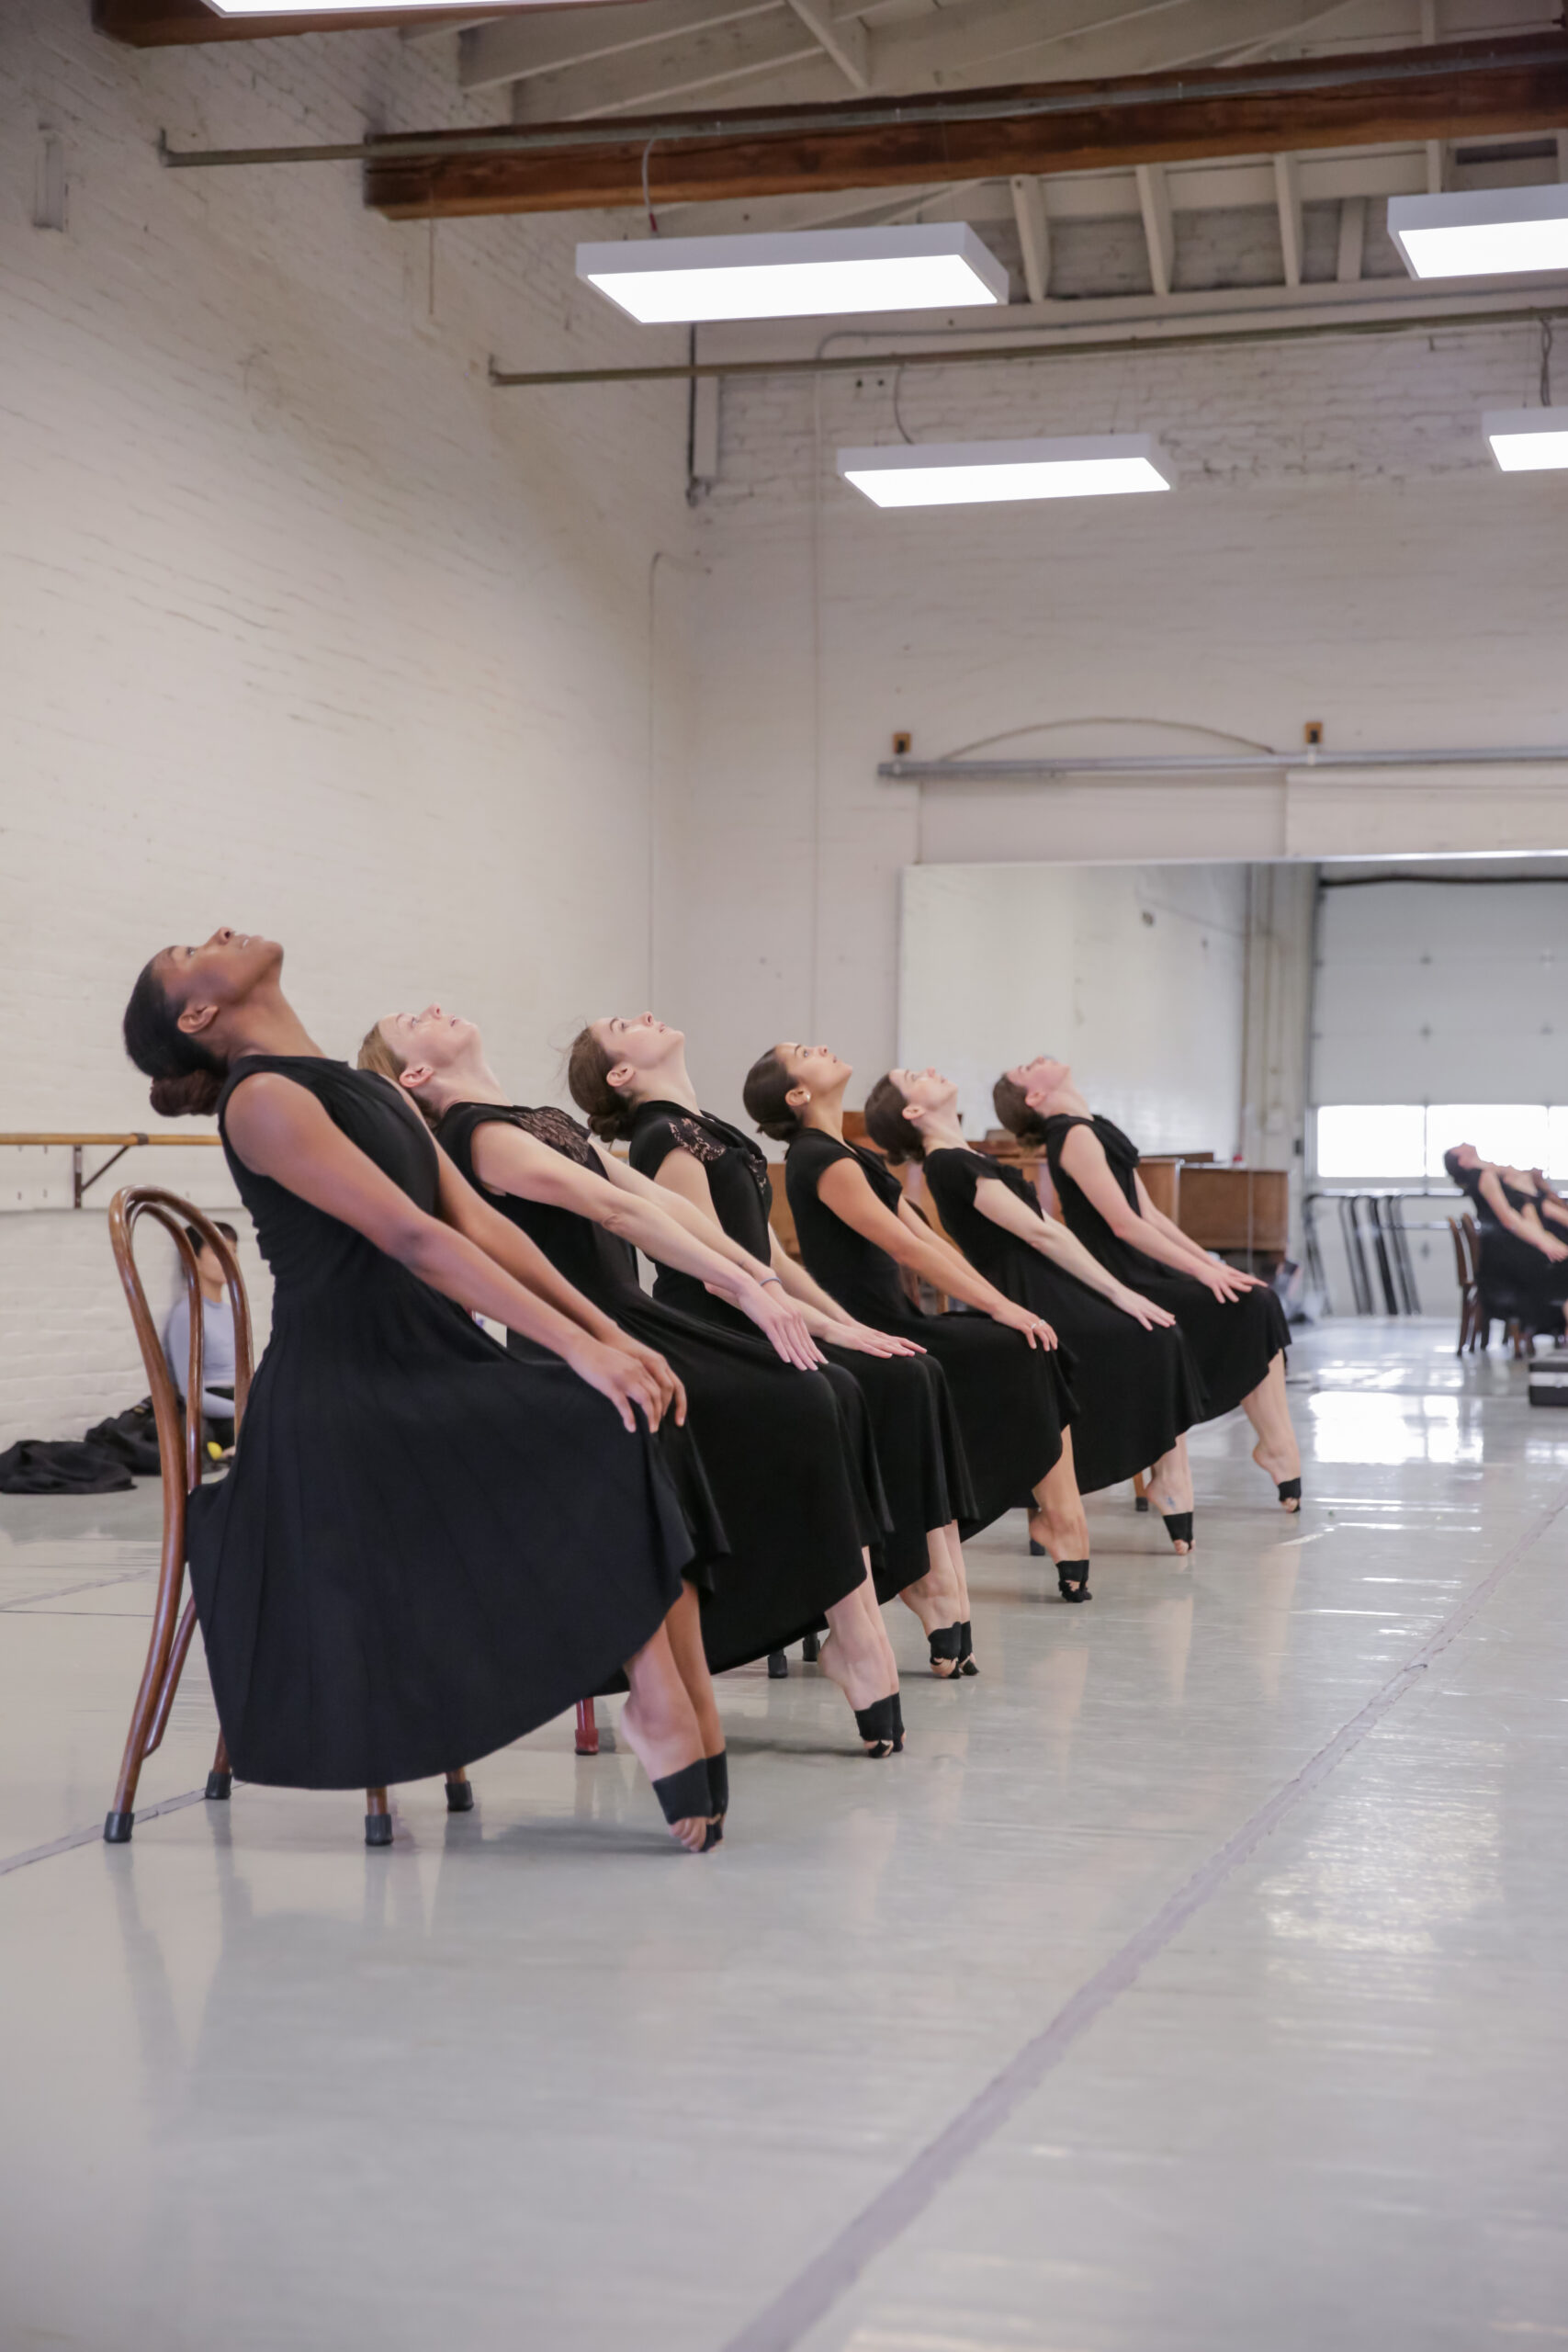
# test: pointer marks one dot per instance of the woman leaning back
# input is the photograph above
(858, 1235)
(1233, 1322)
(784, 1467)
(423, 1549)
(1132, 1371)
(628, 1076)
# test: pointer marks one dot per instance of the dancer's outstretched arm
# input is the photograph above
(844, 1189)
(280, 1130)
(1049, 1239)
(1083, 1158)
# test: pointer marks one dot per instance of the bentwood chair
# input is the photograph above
(180, 1454)
(1469, 1290)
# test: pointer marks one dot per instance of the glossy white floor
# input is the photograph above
(532, 2078)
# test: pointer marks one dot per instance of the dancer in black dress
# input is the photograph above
(1523, 1260)
(424, 1549)
(856, 1231)
(1132, 1376)
(765, 1418)
(630, 1075)
(1233, 1322)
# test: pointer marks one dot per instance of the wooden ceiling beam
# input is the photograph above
(176, 24)
(1458, 90)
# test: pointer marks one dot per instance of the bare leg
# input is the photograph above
(938, 1599)
(685, 1626)
(1170, 1483)
(1268, 1409)
(857, 1655)
(1057, 1520)
(660, 1725)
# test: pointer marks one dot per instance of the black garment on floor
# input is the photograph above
(1232, 1342)
(423, 1549)
(131, 1437)
(40, 1465)
(1137, 1390)
(1012, 1400)
(772, 1446)
(924, 1472)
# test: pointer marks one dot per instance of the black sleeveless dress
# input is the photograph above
(769, 1437)
(423, 1550)
(1232, 1342)
(1514, 1274)
(925, 1473)
(1137, 1390)
(1012, 1400)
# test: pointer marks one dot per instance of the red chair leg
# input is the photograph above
(378, 1819)
(459, 1793)
(587, 1728)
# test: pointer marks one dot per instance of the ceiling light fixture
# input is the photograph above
(360, 7)
(974, 473)
(1528, 440)
(796, 274)
(1484, 233)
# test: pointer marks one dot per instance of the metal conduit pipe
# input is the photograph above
(1175, 764)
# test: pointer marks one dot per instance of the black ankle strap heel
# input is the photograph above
(878, 1726)
(1072, 1580)
(1178, 1525)
(967, 1648)
(687, 1795)
(898, 1704)
(1289, 1491)
(718, 1781)
(947, 1642)
(1036, 1551)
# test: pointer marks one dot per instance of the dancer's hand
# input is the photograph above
(1144, 1311)
(1225, 1282)
(781, 1322)
(1551, 1247)
(1035, 1329)
(668, 1381)
(866, 1341)
(617, 1369)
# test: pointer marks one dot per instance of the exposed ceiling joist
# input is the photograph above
(547, 41)
(842, 39)
(1159, 228)
(1288, 196)
(737, 48)
(1445, 92)
(1033, 235)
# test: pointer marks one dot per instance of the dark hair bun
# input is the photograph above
(193, 1095)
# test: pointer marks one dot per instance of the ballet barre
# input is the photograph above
(81, 1181)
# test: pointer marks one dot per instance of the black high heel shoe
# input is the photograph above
(967, 1648)
(1036, 1551)
(687, 1795)
(1072, 1580)
(898, 1722)
(1290, 1491)
(947, 1642)
(718, 1787)
(1179, 1526)
(778, 1667)
(881, 1726)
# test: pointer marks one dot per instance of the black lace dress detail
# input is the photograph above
(423, 1549)
(774, 1461)
(913, 1427)
(1137, 1390)
(1012, 1401)
(1232, 1342)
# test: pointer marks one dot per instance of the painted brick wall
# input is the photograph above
(301, 625)
(1339, 547)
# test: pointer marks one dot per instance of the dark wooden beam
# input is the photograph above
(1454, 90)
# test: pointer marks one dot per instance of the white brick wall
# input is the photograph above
(1338, 548)
(301, 625)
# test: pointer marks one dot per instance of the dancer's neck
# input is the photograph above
(471, 1080)
(827, 1116)
(269, 1025)
(670, 1084)
(942, 1131)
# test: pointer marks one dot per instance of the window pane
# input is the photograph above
(1377, 1141)
(1557, 1141)
(1514, 1134)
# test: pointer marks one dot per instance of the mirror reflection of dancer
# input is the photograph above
(1233, 1322)
(1132, 1371)
(856, 1230)
(628, 1075)
(1522, 1255)
(423, 1549)
(782, 1465)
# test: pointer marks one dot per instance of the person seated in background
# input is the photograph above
(217, 1341)
(1524, 1267)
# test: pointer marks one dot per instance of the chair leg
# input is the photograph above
(221, 1780)
(459, 1791)
(809, 1650)
(378, 1819)
(165, 1656)
(587, 1728)
(1140, 1491)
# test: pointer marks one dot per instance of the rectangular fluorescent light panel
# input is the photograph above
(796, 274)
(1528, 440)
(359, 7)
(975, 473)
(1482, 233)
